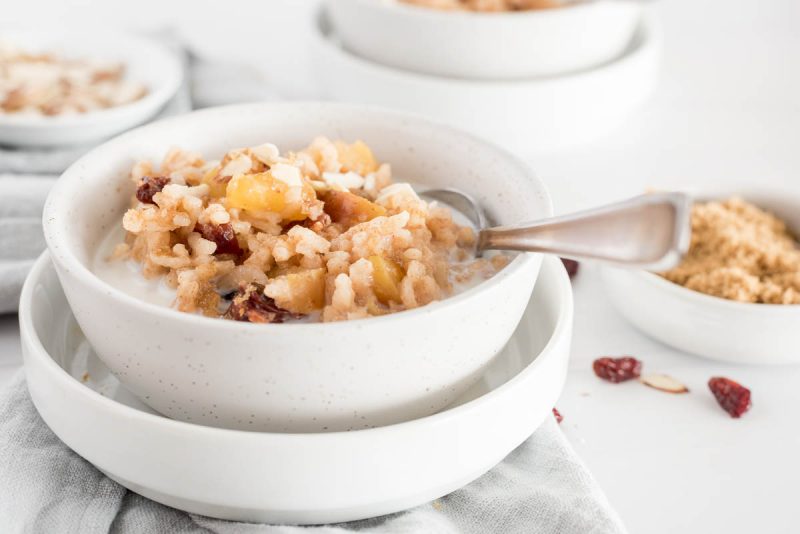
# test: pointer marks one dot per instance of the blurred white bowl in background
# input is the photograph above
(146, 61)
(489, 46)
(525, 116)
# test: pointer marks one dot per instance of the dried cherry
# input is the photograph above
(732, 396)
(149, 186)
(571, 266)
(558, 416)
(617, 369)
(250, 304)
(221, 234)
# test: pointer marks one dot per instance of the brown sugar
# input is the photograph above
(740, 252)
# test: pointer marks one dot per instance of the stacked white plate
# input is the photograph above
(527, 115)
(284, 477)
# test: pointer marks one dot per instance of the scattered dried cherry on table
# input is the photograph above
(571, 266)
(732, 396)
(149, 186)
(250, 304)
(617, 369)
(558, 416)
(221, 234)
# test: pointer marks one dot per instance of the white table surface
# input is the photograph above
(727, 112)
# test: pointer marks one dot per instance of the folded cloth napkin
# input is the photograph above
(541, 487)
(21, 239)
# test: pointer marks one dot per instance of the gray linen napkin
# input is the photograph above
(21, 239)
(541, 487)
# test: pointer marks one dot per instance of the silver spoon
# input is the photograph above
(650, 232)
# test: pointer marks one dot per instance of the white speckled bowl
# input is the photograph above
(295, 377)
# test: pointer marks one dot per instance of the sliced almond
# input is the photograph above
(664, 383)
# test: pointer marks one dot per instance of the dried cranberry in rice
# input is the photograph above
(221, 234)
(571, 266)
(149, 186)
(251, 305)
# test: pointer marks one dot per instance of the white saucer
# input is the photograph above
(145, 60)
(292, 478)
(525, 116)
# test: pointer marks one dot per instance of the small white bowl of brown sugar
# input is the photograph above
(735, 296)
(72, 86)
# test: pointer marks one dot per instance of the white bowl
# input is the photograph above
(145, 61)
(292, 478)
(524, 115)
(489, 46)
(717, 328)
(295, 377)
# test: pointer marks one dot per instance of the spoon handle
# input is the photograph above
(649, 232)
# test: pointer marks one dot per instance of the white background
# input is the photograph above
(727, 112)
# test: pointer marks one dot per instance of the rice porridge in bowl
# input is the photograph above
(322, 234)
(281, 291)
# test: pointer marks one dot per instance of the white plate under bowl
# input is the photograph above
(292, 478)
(145, 60)
(526, 116)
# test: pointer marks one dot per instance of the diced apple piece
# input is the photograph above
(356, 157)
(302, 292)
(262, 192)
(350, 209)
(386, 278)
(257, 192)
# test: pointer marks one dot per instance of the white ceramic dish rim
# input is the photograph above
(77, 268)
(161, 93)
(28, 331)
(646, 36)
(443, 14)
(710, 300)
